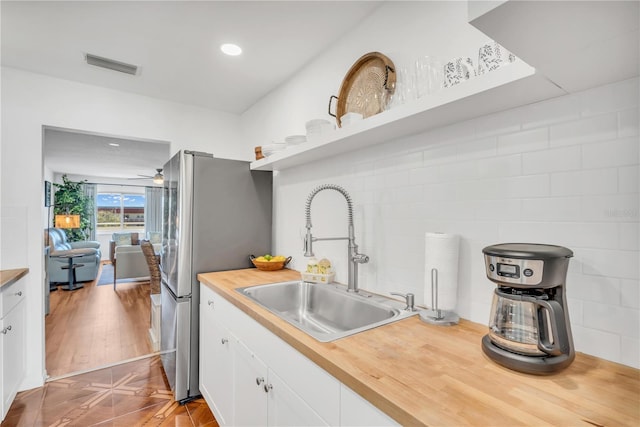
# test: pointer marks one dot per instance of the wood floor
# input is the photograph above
(130, 394)
(94, 326)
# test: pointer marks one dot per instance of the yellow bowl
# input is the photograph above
(269, 265)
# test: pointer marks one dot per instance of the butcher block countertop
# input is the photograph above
(8, 277)
(421, 374)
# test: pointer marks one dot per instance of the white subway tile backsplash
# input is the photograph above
(600, 235)
(575, 310)
(610, 263)
(599, 289)
(398, 163)
(454, 133)
(557, 110)
(551, 209)
(620, 152)
(524, 141)
(630, 351)
(454, 210)
(629, 236)
(477, 149)
(553, 160)
(506, 187)
(613, 207)
(426, 175)
(498, 123)
(591, 129)
(459, 171)
(630, 293)
(440, 154)
(524, 186)
(604, 99)
(596, 181)
(439, 192)
(530, 232)
(500, 166)
(406, 194)
(596, 342)
(540, 173)
(628, 123)
(628, 181)
(573, 235)
(505, 210)
(611, 318)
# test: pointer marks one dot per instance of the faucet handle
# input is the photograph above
(409, 300)
(361, 258)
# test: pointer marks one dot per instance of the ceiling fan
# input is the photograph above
(158, 178)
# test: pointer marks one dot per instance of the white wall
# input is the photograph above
(31, 101)
(562, 171)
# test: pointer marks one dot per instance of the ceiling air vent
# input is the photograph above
(99, 61)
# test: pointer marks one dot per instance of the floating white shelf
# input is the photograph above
(507, 87)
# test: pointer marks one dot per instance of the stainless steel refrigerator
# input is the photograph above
(216, 213)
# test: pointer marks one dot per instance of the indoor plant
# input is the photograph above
(70, 199)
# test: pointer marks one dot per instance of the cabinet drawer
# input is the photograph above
(221, 310)
(11, 295)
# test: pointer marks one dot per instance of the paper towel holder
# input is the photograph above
(435, 316)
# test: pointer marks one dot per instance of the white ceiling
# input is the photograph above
(91, 156)
(176, 43)
(176, 46)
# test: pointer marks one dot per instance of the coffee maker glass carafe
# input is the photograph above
(514, 325)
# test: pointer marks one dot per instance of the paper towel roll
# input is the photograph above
(441, 253)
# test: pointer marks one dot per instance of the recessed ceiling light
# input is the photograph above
(114, 144)
(231, 49)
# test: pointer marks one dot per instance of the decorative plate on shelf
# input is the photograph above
(366, 86)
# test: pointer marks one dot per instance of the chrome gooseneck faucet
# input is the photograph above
(354, 257)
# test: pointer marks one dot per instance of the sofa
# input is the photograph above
(87, 261)
(126, 255)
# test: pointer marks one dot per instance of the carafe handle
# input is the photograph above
(557, 324)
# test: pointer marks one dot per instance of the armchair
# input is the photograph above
(127, 257)
(59, 248)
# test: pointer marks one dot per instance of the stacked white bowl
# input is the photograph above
(269, 149)
(317, 128)
(295, 139)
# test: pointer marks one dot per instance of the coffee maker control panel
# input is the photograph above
(514, 272)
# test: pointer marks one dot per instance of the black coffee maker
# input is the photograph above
(529, 328)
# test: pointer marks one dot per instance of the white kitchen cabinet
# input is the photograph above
(575, 44)
(216, 362)
(250, 396)
(273, 384)
(286, 408)
(12, 341)
(356, 411)
(238, 386)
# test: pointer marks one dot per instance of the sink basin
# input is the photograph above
(326, 311)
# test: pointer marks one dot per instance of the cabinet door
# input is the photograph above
(286, 408)
(357, 411)
(13, 337)
(250, 393)
(216, 365)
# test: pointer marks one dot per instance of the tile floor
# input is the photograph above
(131, 394)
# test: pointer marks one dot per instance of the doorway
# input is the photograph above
(99, 325)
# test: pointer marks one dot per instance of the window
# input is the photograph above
(120, 211)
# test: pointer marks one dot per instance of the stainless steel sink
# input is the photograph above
(326, 312)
